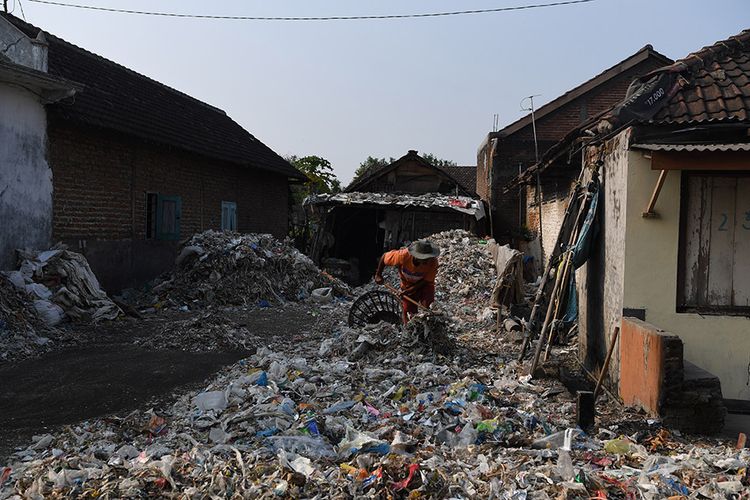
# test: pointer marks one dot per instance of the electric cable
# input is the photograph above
(312, 18)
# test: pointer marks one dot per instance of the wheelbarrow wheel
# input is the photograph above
(374, 307)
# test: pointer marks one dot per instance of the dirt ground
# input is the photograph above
(108, 374)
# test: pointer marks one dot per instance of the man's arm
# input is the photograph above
(379, 271)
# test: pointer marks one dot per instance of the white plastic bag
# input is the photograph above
(50, 313)
(322, 295)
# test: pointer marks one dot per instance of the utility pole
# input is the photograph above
(5, 5)
(538, 181)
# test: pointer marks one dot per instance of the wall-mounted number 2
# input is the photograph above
(724, 220)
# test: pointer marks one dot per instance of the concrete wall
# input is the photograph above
(25, 177)
(601, 280)
(718, 344)
(635, 266)
(101, 181)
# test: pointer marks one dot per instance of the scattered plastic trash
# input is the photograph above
(300, 419)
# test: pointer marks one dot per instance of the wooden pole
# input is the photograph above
(655, 195)
(555, 291)
(565, 272)
(402, 296)
(528, 330)
(606, 362)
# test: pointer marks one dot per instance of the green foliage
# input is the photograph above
(371, 162)
(438, 162)
(320, 175)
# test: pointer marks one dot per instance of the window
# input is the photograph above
(163, 215)
(714, 273)
(228, 216)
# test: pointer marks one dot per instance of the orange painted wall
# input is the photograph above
(642, 357)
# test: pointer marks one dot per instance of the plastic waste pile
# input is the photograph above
(312, 419)
(467, 274)
(62, 286)
(220, 268)
(22, 334)
(320, 416)
(209, 331)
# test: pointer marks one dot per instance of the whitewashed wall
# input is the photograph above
(25, 177)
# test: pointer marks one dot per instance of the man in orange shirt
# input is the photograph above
(417, 267)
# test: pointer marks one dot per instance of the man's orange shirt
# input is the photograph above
(409, 273)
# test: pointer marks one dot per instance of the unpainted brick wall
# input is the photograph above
(518, 148)
(101, 179)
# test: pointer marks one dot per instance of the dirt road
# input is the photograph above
(110, 375)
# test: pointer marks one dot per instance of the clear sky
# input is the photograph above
(348, 89)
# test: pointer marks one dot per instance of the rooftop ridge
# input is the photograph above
(26, 26)
(638, 56)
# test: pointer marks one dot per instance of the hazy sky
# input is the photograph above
(348, 89)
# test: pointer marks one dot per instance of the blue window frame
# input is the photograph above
(228, 216)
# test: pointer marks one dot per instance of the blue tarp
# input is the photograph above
(581, 251)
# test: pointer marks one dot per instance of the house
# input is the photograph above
(137, 166)
(505, 154)
(671, 261)
(387, 206)
(25, 177)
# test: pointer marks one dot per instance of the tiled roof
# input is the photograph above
(465, 175)
(711, 85)
(117, 98)
(716, 84)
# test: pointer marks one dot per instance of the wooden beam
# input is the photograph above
(700, 160)
(649, 213)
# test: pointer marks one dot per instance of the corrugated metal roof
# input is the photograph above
(693, 147)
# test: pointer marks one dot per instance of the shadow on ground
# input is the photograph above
(76, 384)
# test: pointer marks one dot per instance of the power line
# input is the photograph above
(324, 18)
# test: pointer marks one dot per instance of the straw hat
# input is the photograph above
(424, 249)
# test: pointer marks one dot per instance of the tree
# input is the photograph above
(320, 179)
(438, 162)
(320, 175)
(371, 162)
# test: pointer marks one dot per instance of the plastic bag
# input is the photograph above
(322, 295)
(310, 447)
(50, 313)
(213, 400)
(360, 442)
(556, 440)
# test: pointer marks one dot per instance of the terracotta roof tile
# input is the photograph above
(715, 78)
(117, 98)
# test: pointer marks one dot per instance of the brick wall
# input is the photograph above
(100, 181)
(518, 148)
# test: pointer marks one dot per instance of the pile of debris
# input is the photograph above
(204, 333)
(49, 288)
(19, 324)
(220, 268)
(320, 416)
(62, 286)
(308, 421)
